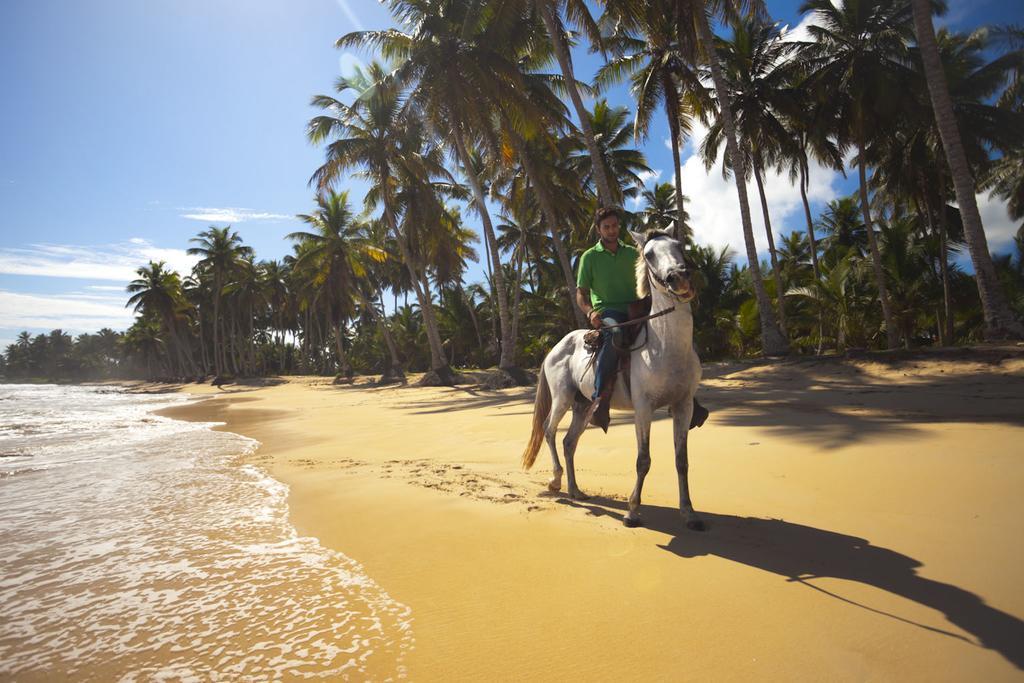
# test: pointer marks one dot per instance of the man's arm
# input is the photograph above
(583, 300)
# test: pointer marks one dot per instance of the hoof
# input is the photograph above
(632, 522)
(696, 524)
(555, 485)
(579, 495)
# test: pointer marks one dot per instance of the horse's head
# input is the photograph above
(663, 262)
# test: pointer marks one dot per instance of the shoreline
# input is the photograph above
(841, 506)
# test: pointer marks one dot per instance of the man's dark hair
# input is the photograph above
(605, 212)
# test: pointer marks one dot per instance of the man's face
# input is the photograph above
(608, 229)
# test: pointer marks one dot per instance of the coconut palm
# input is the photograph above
(375, 133)
(755, 65)
(157, 293)
(662, 71)
(860, 53)
(334, 259)
(220, 249)
(460, 64)
(692, 16)
(579, 15)
(621, 161)
(999, 320)
(661, 211)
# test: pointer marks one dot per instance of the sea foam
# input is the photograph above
(136, 547)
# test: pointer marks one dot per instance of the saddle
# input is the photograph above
(599, 409)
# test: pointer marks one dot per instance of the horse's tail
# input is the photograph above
(541, 410)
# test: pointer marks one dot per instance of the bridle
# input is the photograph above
(653, 274)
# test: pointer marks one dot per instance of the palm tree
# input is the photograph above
(860, 51)
(999, 320)
(661, 68)
(622, 162)
(274, 281)
(579, 14)
(692, 16)
(843, 225)
(157, 293)
(377, 134)
(539, 165)
(755, 64)
(460, 64)
(221, 249)
(334, 259)
(661, 212)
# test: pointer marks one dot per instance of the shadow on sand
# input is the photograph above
(801, 553)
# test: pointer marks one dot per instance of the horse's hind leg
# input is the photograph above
(572, 438)
(559, 406)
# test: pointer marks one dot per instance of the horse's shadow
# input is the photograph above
(800, 553)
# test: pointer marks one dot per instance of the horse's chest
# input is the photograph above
(658, 389)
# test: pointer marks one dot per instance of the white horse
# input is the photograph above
(665, 371)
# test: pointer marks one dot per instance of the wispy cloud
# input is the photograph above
(112, 262)
(800, 32)
(229, 214)
(65, 311)
(648, 176)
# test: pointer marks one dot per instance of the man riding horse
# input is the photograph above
(606, 294)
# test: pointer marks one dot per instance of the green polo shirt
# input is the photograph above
(610, 277)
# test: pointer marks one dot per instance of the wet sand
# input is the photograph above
(865, 522)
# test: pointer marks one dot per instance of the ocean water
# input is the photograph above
(136, 547)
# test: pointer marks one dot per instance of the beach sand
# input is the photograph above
(865, 522)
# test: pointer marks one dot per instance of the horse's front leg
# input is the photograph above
(642, 421)
(682, 413)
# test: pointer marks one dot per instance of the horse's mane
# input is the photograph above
(643, 281)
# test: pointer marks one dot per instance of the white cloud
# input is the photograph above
(115, 262)
(229, 215)
(714, 205)
(999, 229)
(647, 176)
(800, 32)
(68, 312)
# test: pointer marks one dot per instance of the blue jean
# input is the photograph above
(608, 357)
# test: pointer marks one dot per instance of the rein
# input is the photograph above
(637, 321)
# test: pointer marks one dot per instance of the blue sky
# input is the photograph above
(128, 127)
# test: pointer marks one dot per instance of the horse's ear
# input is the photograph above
(639, 238)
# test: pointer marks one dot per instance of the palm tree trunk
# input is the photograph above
(389, 341)
(999, 320)
(204, 355)
(947, 298)
(551, 218)
(437, 361)
(344, 368)
(506, 360)
(217, 365)
(472, 317)
(516, 293)
(804, 182)
(892, 336)
(548, 10)
(236, 368)
(773, 343)
(945, 321)
(776, 272)
(672, 111)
